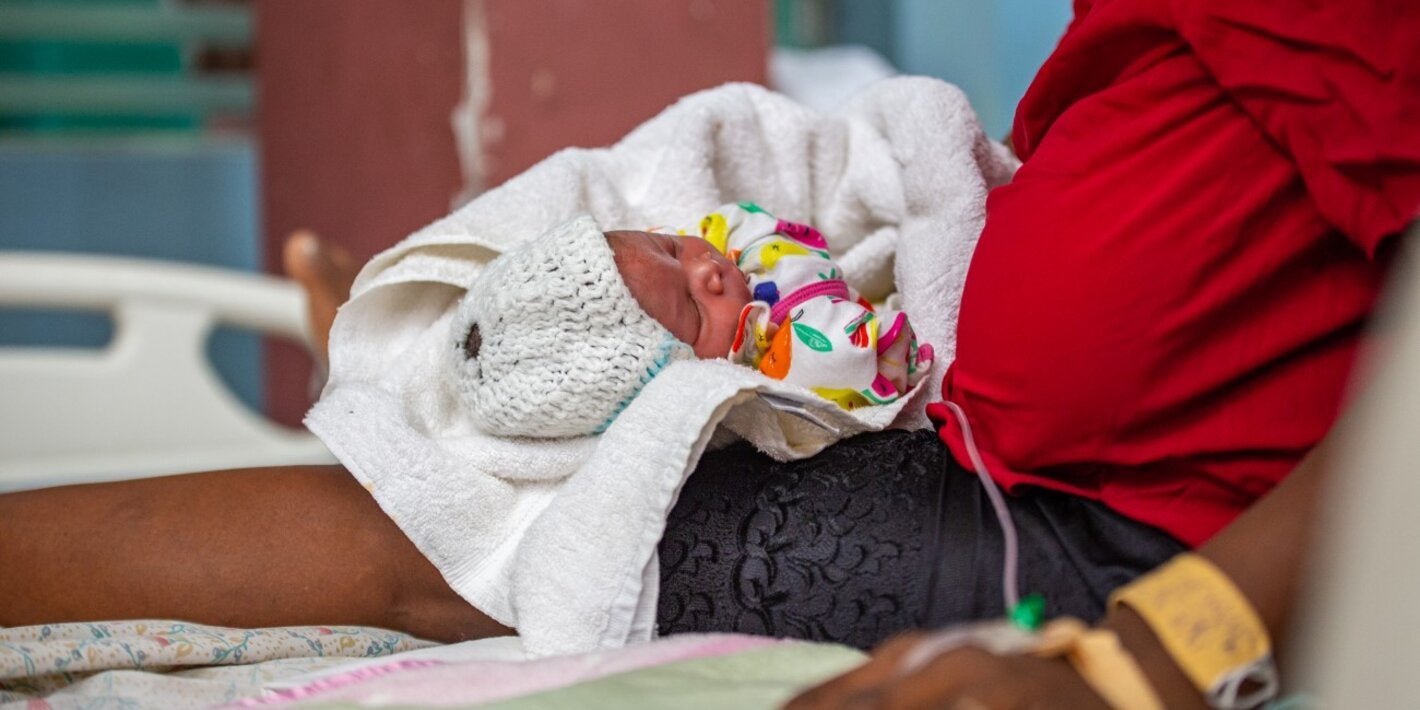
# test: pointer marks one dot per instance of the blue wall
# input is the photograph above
(990, 48)
(182, 198)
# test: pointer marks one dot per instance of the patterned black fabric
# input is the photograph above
(877, 534)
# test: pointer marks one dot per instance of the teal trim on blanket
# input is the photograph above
(669, 349)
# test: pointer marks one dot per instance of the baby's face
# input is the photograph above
(686, 285)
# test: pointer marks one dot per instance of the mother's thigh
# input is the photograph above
(837, 547)
(877, 534)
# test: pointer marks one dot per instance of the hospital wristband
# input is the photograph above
(1209, 629)
(1101, 661)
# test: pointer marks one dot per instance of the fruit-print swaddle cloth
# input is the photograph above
(806, 325)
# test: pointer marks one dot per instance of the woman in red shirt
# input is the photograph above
(1196, 237)
(1167, 301)
(1157, 327)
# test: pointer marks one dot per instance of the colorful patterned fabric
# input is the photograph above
(806, 325)
(171, 663)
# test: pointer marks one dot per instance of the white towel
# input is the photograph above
(558, 538)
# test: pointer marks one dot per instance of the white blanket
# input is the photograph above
(558, 538)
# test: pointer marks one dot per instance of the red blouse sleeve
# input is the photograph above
(1337, 86)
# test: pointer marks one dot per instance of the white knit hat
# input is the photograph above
(560, 345)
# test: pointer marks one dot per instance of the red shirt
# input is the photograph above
(1167, 299)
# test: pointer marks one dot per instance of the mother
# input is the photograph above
(1157, 327)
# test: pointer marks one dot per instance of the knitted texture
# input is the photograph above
(562, 346)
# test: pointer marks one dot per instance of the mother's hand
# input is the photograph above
(966, 677)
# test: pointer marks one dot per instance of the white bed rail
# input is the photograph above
(149, 402)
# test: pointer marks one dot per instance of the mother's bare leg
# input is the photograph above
(254, 547)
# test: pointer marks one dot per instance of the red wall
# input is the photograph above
(584, 72)
(355, 103)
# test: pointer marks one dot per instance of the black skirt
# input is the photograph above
(875, 535)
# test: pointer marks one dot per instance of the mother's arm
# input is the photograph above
(248, 548)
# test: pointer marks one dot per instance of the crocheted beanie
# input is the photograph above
(551, 343)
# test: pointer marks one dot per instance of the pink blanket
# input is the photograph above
(428, 680)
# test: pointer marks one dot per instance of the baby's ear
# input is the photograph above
(472, 343)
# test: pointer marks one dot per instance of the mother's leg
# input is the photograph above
(838, 547)
(246, 548)
(877, 534)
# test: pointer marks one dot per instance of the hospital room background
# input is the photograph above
(205, 131)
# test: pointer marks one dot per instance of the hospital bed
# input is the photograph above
(149, 402)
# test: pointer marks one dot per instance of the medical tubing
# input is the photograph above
(1009, 590)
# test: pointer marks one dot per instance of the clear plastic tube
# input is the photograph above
(1010, 590)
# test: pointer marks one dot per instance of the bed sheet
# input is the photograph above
(166, 664)
(687, 670)
(758, 679)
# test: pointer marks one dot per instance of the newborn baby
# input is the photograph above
(559, 334)
(805, 325)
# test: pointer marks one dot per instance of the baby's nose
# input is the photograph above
(707, 274)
